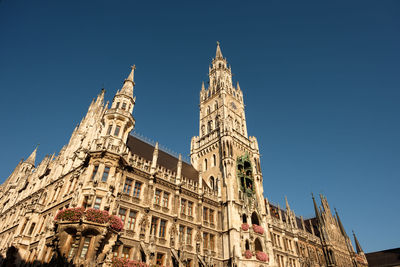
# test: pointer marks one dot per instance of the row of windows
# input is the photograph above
(128, 187)
(184, 230)
(161, 198)
(123, 105)
(105, 174)
(116, 131)
(208, 241)
(213, 162)
(186, 207)
(158, 226)
(128, 218)
(208, 215)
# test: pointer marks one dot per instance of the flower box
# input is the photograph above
(90, 215)
(262, 256)
(258, 229)
(248, 254)
(245, 226)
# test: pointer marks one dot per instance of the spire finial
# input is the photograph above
(129, 83)
(218, 54)
(31, 159)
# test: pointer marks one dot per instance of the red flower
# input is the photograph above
(258, 229)
(97, 216)
(116, 223)
(261, 256)
(245, 226)
(248, 254)
(70, 214)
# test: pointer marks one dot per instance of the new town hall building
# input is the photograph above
(209, 212)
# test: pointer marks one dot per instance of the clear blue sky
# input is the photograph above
(320, 79)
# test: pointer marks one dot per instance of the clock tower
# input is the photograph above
(228, 162)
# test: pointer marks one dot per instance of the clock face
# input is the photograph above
(233, 105)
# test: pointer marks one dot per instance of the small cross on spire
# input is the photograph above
(133, 67)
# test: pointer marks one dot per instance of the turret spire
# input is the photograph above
(218, 54)
(127, 88)
(358, 246)
(31, 159)
(340, 224)
(316, 209)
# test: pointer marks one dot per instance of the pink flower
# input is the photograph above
(97, 216)
(245, 226)
(116, 223)
(248, 254)
(261, 256)
(70, 214)
(258, 229)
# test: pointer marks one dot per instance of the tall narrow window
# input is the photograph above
(125, 252)
(132, 219)
(181, 233)
(136, 190)
(157, 196)
(189, 236)
(160, 259)
(183, 206)
(105, 174)
(116, 133)
(97, 203)
(190, 208)
(163, 224)
(109, 130)
(128, 186)
(214, 160)
(117, 106)
(205, 241)
(205, 164)
(96, 168)
(85, 247)
(165, 200)
(124, 106)
(32, 228)
(154, 223)
(212, 243)
(122, 214)
(211, 216)
(205, 214)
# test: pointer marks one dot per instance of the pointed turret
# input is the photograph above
(317, 214)
(31, 159)
(218, 54)
(358, 246)
(340, 224)
(287, 204)
(179, 170)
(155, 157)
(127, 88)
(202, 86)
(238, 86)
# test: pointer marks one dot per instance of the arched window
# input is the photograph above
(257, 245)
(212, 183)
(247, 245)
(205, 164)
(214, 160)
(244, 218)
(254, 218)
(209, 126)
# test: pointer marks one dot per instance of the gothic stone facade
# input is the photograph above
(209, 212)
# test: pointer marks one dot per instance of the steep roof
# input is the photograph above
(384, 258)
(145, 150)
